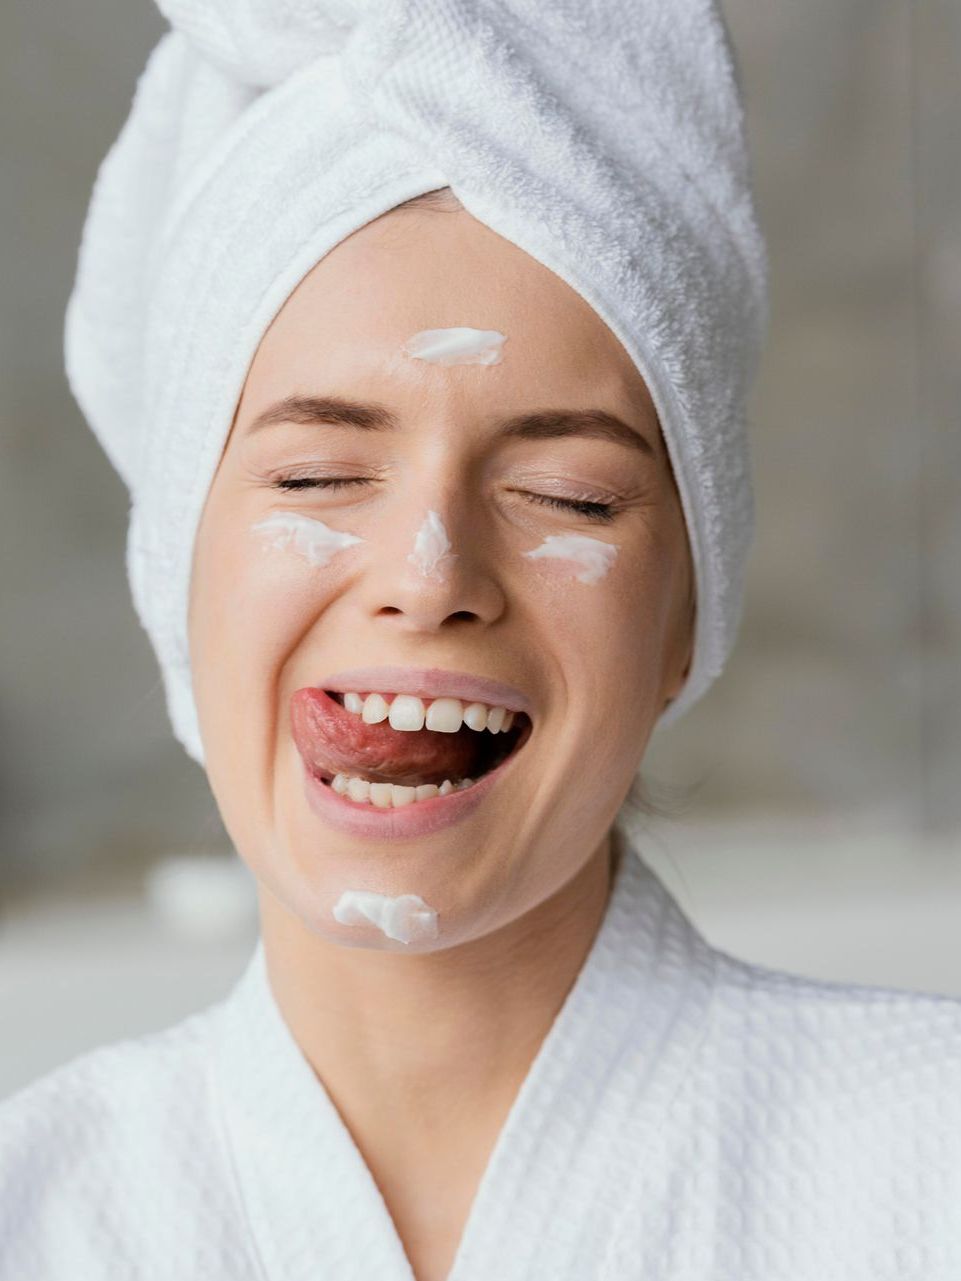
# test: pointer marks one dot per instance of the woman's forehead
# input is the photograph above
(352, 314)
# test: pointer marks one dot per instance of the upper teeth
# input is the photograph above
(407, 712)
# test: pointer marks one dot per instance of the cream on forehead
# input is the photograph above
(312, 539)
(458, 346)
(593, 555)
(404, 918)
(432, 554)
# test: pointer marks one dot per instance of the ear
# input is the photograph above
(677, 683)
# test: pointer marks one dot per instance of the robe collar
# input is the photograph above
(552, 1197)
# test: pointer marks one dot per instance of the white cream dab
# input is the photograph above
(593, 555)
(458, 346)
(404, 918)
(432, 554)
(313, 539)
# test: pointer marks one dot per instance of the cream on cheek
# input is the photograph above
(316, 542)
(591, 557)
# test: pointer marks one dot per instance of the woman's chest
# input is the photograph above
(429, 1197)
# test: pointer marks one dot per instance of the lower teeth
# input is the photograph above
(393, 795)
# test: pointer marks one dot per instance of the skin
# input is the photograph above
(520, 885)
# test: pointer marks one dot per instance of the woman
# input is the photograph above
(433, 524)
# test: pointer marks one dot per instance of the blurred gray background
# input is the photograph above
(817, 787)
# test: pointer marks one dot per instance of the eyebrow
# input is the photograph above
(548, 424)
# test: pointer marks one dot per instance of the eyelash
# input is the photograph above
(580, 506)
(313, 482)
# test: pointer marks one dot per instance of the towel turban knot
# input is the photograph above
(262, 42)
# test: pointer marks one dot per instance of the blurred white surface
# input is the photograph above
(866, 902)
(857, 905)
(77, 973)
(202, 896)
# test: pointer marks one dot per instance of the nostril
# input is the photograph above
(455, 616)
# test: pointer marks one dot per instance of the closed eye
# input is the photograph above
(318, 482)
(582, 506)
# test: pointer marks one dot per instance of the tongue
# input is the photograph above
(332, 740)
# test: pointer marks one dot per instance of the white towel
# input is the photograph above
(605, 138)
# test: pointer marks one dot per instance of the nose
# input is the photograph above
(432, 573)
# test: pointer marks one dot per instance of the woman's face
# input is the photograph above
(467, 537)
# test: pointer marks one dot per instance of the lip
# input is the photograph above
(420, 818)
(429, 682)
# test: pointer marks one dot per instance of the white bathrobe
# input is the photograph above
(689, 1117)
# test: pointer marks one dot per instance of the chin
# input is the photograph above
(463, 882)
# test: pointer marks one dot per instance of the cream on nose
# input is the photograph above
(432, 554)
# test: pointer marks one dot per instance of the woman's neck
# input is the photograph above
(430, 1041)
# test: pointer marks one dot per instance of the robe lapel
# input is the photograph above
(313, 1207)
(551, 1199)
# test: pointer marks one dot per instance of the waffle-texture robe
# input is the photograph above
(689, 1117)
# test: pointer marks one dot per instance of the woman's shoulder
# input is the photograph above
(826, 1032)
(90, 1152)
(97, 1088)
(760, 986)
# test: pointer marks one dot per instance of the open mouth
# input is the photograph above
(392, 750)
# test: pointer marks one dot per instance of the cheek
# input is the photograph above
(607, 635)
(585, 559)
(252, 603)
(597, 594)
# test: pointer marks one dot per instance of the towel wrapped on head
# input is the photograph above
(605, 138)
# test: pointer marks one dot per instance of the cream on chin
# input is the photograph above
(405, 918)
